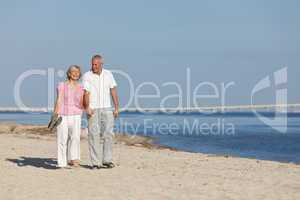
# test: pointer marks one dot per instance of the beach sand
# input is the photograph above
(27, 163)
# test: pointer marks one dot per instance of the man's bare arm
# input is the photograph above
(115, 98)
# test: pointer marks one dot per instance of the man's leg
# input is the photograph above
(108, 136)
(94, 139)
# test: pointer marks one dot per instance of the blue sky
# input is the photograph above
(220, 41)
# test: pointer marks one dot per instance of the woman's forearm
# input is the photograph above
(56, 107)
(57, 104)
(86, 100)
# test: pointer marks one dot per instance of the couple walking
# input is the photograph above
(93, 97)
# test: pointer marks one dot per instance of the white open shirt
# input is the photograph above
(99, 87)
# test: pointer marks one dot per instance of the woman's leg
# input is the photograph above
(62, 139)
(75, 139)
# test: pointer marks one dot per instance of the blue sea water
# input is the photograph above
(236, 134)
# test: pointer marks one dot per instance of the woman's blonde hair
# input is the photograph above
(69, 71)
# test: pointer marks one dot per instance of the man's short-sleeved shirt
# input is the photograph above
(99, 88)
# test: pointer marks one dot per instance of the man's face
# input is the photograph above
(97, 65)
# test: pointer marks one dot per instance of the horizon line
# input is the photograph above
(155, 109)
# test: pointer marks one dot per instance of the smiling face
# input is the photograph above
(97, 64)
(74, 73)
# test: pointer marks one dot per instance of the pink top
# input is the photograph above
(71, 102)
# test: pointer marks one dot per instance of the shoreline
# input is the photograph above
(42, 132)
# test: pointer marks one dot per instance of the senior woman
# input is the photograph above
(69, 106)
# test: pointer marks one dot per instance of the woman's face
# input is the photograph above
(74, 74)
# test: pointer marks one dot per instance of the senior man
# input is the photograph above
(99, 86)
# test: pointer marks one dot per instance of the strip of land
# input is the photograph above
(143, 171)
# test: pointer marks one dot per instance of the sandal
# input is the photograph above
(109, 165)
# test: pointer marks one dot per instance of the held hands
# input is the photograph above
(90, 112)
(116, 113)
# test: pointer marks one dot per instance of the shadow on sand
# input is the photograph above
(46, 163)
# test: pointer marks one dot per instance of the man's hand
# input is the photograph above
(114, 95)
(116, 113)
(90, 112)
